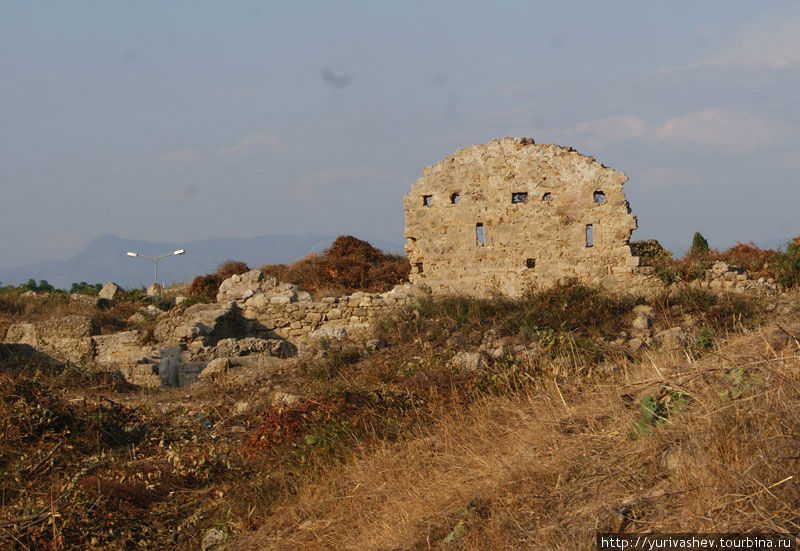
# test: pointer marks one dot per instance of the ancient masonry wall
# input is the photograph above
(511, 214)
(282, 310)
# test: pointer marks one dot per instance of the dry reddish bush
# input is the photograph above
(207, 286)
(231, 267)
(348, 265)
(749, 257)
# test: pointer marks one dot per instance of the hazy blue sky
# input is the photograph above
(175, 120)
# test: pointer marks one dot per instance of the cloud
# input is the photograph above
(252, 142)
(715, 127)
(185, 155)
(708, 127)
(339, 82)
(770, 39)
(310, 183)
(610, 129)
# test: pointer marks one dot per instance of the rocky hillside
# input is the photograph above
(272, 419)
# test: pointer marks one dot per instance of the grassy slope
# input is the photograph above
(393, 449)
(551, 466)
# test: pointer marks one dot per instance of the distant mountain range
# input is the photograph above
(104, 259)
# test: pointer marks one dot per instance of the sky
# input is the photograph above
(182, 120)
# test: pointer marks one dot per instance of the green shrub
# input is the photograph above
(84, 288)
(699, 245)
(41, 287)
(787, 265)
(653, 254)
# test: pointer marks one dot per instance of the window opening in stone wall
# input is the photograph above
(599, 197)
(530, 263)
(427, 200)
(479, 234)
(519, 197)
(547, 196)
(589, 235)
(455, 198)
(419, 267)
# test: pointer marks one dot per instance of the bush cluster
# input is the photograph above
(787, 265)
(207, 286)
(782, 266)
(348, 265)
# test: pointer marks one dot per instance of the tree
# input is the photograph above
(699, 245)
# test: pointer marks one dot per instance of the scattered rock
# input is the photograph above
(214, 369)
(468, 361)
(137, 319)
(635, 344)
(284, 399)
(213, 539)
(673, 338)
(88, 300)
(337, 333)
(110, 291)
(155, 290)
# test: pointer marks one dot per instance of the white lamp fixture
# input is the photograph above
(155, 260)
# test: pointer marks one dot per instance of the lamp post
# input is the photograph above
(155, 260)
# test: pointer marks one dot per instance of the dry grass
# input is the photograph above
(550, 468)
(15, 308)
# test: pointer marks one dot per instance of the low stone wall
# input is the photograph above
(723, 277)
(67, 338)
(294, 315)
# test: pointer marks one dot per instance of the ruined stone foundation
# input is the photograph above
(511, 215)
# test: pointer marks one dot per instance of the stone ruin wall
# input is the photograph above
(284, 311)
(534, 204)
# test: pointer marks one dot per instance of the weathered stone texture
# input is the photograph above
(67, 338)
(208, 322)
(282, 309)
(534, 205)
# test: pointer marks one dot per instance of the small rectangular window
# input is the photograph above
(530, 263)
(589, 235)
(479, 234)
(419, 267)
(426, 200)
(519, 197)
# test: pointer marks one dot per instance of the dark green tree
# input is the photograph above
(699, 245)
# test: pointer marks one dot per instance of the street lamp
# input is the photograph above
(156, 259)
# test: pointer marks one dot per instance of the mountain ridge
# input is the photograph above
(103, 258)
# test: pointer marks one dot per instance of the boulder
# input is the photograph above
(213, 539)
(674, 338)
(110, 291)
(120, 348)
(243, 286)
(214, 369)
(468, 361)
(67, 338)
(208, 322)
(155, 290)
(89, 300)
(250, 346)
